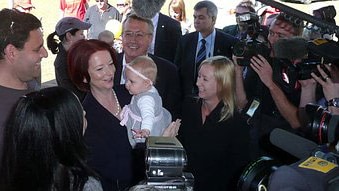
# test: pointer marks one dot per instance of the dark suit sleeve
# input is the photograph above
(178, 53)
(173, 96)
(176, 37)
(224, 44)
(168, 33)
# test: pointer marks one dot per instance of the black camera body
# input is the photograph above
(254, 43)
(321, 51)
(250, 22)
(307, 66)
(249, 48)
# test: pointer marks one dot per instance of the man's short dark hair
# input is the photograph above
(15, 27)
(283, 18)
(212, 9)
(247, 5)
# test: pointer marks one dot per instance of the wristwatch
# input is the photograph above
(333, 102)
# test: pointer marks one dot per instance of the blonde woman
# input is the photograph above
(215, 136)
(177, 11)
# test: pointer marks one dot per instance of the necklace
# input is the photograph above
(117, 104)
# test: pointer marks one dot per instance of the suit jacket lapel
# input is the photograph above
(194, 42)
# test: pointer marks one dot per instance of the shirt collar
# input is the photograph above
(209, 38)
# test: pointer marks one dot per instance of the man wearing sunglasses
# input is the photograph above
(98, 15)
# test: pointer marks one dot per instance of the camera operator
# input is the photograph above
(248, 25)
(278, 103)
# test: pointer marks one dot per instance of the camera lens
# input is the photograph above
(320, 125)
(239, 48)
(256, 175)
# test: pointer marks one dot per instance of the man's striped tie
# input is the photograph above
(202, 52)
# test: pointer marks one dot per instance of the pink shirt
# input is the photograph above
(73, 8)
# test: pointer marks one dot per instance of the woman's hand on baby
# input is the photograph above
(173, 129)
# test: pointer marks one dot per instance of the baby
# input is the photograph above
(144, 116)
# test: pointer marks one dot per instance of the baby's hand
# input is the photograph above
(138, 134)
(145, 133)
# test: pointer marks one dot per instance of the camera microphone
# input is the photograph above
(292, 144)
(291, 49)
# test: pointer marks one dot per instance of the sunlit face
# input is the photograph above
(206, 82)
(102, 4)
(135, 84)
(203, 22)
(122, 6)
(175, 13)
(136, 38)
(279, 30)
(101, 70)
(27, 61)
(79, 35)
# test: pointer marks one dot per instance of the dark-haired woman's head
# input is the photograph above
(43, 141)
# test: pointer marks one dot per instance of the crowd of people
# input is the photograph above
(170, 77)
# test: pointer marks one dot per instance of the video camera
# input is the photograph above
(321, 127)
(250, 22)
(320, 52)
(255, 44)
(165, 161)
(249, 48)
(309, 53)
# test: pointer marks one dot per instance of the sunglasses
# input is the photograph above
(99, 0)
(121, 4)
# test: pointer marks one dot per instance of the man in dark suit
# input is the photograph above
(212, 41)
(136, 38)
(167, 35)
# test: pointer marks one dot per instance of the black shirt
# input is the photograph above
(216, 151)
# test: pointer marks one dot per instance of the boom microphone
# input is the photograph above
(327, 26)
(291, 48)
(147, 8)
(292, 144)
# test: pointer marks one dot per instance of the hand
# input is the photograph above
(334, 71)
(172, 129)
(143, 133)
(238, 69)
(264, 70)
(330, 89)
(308, 83)
(308, 91)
